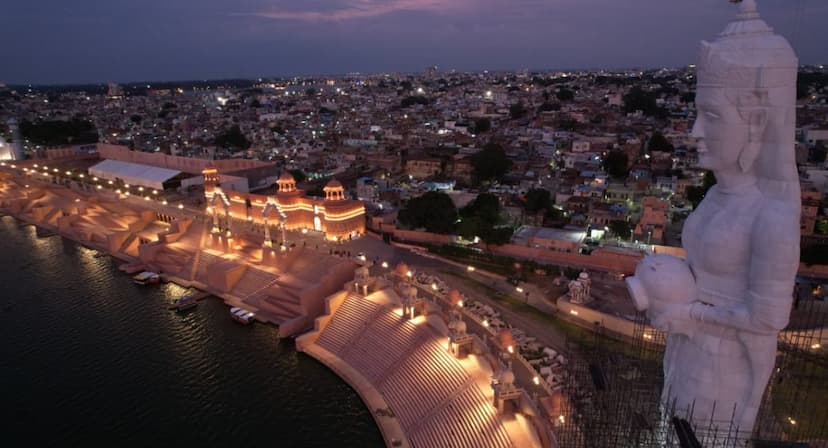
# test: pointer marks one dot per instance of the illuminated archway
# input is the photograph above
(268, 208)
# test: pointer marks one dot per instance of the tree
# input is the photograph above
(433, 211)
(818, 153)
(637, 99)
(537, 199)
(814, 254)
(412, 100)
(59, 132)
(298, 175)
(490, 163)
(821, 227)
(616, 163)
(480, 218)
(620, 228)
(232, 138)
(564, 94)
(549, 107)
(482, 125)
(517, 110)
(658, 142)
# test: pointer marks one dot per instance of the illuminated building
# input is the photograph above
(336, 216)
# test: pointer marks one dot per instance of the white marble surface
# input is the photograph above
(742, 241)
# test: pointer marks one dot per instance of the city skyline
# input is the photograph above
(220, 40)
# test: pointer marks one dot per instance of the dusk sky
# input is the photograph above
(60, 41)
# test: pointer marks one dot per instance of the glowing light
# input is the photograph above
(573, 312)
(460, 303)
(304, 231)
(180, 206)
(99, 187)
(519, 289)
(409, 274)
(510, 349)
(434, 286)
(250, 218)
(792, 421)
(77, 199)
(110, 182)
(164, 202)
(94, 179)
(154, 191)
(81, 176)
(54, 170)
(470, 268)
(118, 191)
(561, 419)
(139, 188)
(126, 193)
(385, 264)
(816, 346)
(485, 323)
(126, 186)
(35, 165)
(146, 198)
(68, 173)
(536, 380)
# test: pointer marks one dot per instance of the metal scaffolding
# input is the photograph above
(613, 395)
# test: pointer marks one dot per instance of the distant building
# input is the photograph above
(653, 222)
(811, 200)
(423, 168)
(560, 240)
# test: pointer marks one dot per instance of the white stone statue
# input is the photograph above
(742, 241)
(579, 289)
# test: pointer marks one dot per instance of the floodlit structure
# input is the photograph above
(336, 216)
(742, 241)
(723, 312)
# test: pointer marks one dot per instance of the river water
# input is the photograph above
(87, 358)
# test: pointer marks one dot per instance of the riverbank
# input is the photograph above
(285, 287)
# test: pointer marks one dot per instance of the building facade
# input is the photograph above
(337, 217)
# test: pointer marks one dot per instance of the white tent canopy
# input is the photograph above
(133, 173)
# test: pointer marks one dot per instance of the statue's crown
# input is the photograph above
(747, 54)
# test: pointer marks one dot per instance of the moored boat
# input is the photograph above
(241, 315)
(147, 278)
(184, 303)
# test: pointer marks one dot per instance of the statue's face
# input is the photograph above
(720, 129)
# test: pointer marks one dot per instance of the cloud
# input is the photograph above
(360, 9)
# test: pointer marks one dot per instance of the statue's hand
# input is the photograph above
(675, 317)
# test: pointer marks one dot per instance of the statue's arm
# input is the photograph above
(774, 262)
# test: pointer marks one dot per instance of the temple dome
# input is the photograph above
(286, 177)
(333, 183)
